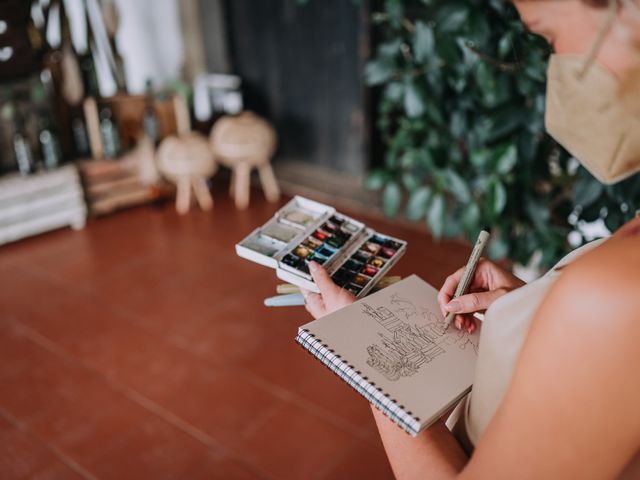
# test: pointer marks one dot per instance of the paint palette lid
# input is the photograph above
(302, 212)
(267, 244)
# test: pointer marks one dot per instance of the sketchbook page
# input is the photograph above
(395, 338)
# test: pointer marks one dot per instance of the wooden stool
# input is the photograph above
(188, 162)
(242, 143)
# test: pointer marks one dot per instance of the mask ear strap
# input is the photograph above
(600, 36)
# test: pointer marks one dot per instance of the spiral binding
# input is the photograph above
(354, 378)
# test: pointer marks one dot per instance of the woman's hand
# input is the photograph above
(331, 296)
(489, 283)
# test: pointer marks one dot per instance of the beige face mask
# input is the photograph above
(587, 115)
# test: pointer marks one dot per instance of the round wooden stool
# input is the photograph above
(242, 143)
(188, 162)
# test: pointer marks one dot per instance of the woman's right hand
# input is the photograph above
(489, 283)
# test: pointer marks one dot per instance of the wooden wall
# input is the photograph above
(302, 67)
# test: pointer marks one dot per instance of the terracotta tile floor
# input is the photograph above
(139, 348)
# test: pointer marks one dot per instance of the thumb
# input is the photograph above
(321, 277)
(474, 302)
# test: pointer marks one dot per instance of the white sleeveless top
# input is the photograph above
(504, 329)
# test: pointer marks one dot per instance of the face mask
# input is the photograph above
(586, 114)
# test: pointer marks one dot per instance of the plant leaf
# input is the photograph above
(506, 159)
(413, 103)
(587, 190)
(423, 42)
(451, 17)
(376, 180)
(435, 215)
(458, 187)
(391, 198)
(378, 71)
(418, 202)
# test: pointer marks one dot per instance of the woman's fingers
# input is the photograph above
(448, 289)
(323, 280)
(474, 302)
(313, 303)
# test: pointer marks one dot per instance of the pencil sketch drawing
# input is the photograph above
(407, 342)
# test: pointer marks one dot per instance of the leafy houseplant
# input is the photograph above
(461, 116)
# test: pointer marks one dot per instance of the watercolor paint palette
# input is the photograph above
(303, 230)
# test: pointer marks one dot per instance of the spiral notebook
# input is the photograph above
(391, 347)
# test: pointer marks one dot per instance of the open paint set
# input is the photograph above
(355, 256)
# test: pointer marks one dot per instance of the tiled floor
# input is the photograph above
(139, 348)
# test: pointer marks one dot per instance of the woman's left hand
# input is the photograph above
(331, 296)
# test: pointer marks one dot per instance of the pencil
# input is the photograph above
(469, 272)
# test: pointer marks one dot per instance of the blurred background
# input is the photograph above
(131, 347)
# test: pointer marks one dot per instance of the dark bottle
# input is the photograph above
(22, 152)
(88, 73)
(87, 64)
(150, 121)
(109, 134)
(21, 148)
(49, 145)
(80, 136)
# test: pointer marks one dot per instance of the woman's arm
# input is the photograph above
(434, 453)
(571, 408)
(570, 411)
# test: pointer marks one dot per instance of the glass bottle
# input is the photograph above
(150, 121)
(49, 145)
(21, 148)
(109, 134)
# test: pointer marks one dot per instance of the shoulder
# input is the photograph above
(605, 280)
(596, 301)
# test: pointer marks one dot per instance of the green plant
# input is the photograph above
(461, 116)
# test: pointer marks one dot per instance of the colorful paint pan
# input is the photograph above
(321, 235)
(336, 220)
(362, 256)
(312, 243)
(360, 280)
(378, 239)
(326, 251)
(338, 240)
(376, 262)
(369, 270)
(342, 276)
(353, 265)
(371, 247)
(393, 244)
(355, 289)
(291, 260)
(317, 258)
(330, 227)
(302, 251)
(387, 252)
(350, 228)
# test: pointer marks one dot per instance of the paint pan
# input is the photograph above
(371, 247)
(312, 243)
(387, 252)
(376, 262)
(360, 280)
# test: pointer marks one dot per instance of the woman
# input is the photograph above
(556, 391)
